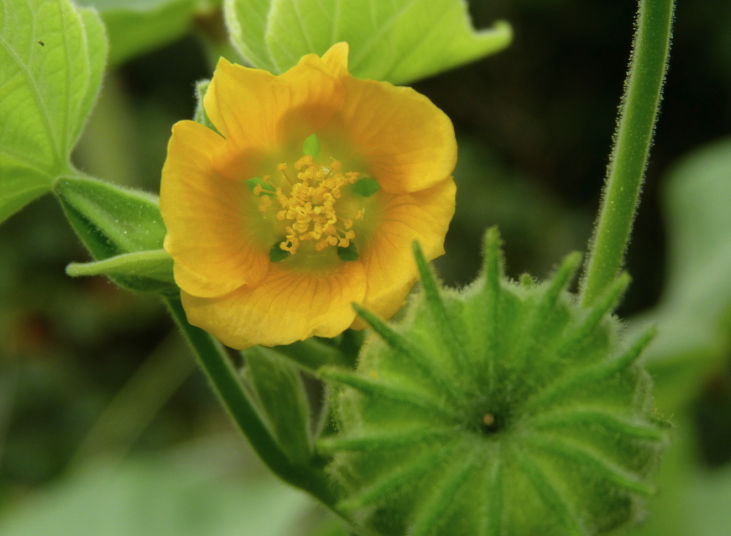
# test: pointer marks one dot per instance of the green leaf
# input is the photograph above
(51, 64)
(111, 220)
(145, 271)
(400, 41)
(697, 199)
(138, 26)
(281, 393)
(694, 499)
(693, 313)
(312, 353)
(160, 496)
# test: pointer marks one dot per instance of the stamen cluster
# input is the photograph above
(310, 205)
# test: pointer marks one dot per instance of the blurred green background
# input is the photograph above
(104, 421)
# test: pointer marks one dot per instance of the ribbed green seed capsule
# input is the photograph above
(503, 409)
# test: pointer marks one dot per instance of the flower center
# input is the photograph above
(309, 208)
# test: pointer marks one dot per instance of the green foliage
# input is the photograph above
(242, 406)
(144, 271)
(281, 393)
(111, 220)
(123, 230)
(697, 200)
(502, 409)
(158, 496)
(51, 63)
(400, 41)
(694, 312)
(138, 26)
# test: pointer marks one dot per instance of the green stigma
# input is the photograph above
(349, 253)
(312, 146)
(366, 186)
(266, 188)
(277, 254)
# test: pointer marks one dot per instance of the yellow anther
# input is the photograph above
(310, 206)
(265, 203)
(257, 189)
(304, 161)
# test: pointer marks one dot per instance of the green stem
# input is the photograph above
(224, 378)
(632, 144)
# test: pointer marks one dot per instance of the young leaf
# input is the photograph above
(693, 314)
(138, 26)
(282, 395)
(111, 220)
(51, 63)
(145, 271)
(400, 41)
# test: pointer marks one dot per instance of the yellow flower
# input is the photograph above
(272, 245)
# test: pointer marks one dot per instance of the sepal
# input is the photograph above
(200, 115)
(281, 395)
(123, 231)
(145, 271)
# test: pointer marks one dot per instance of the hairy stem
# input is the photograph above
(635, 128)
(226, 383)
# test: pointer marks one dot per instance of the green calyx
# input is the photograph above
(503, 409)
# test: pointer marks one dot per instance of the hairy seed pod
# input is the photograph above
(502, 409)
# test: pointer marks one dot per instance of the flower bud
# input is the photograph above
(503, 408)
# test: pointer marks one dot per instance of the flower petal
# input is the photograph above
(388, 258)
(336, 59)
(206, 218)
(259, 113)
(287, 306)
(399, 136)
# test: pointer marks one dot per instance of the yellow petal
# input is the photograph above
(388, 258)
(399, 136)
(207, 218)
(336, 59)
(259, 113)
(287, 306)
